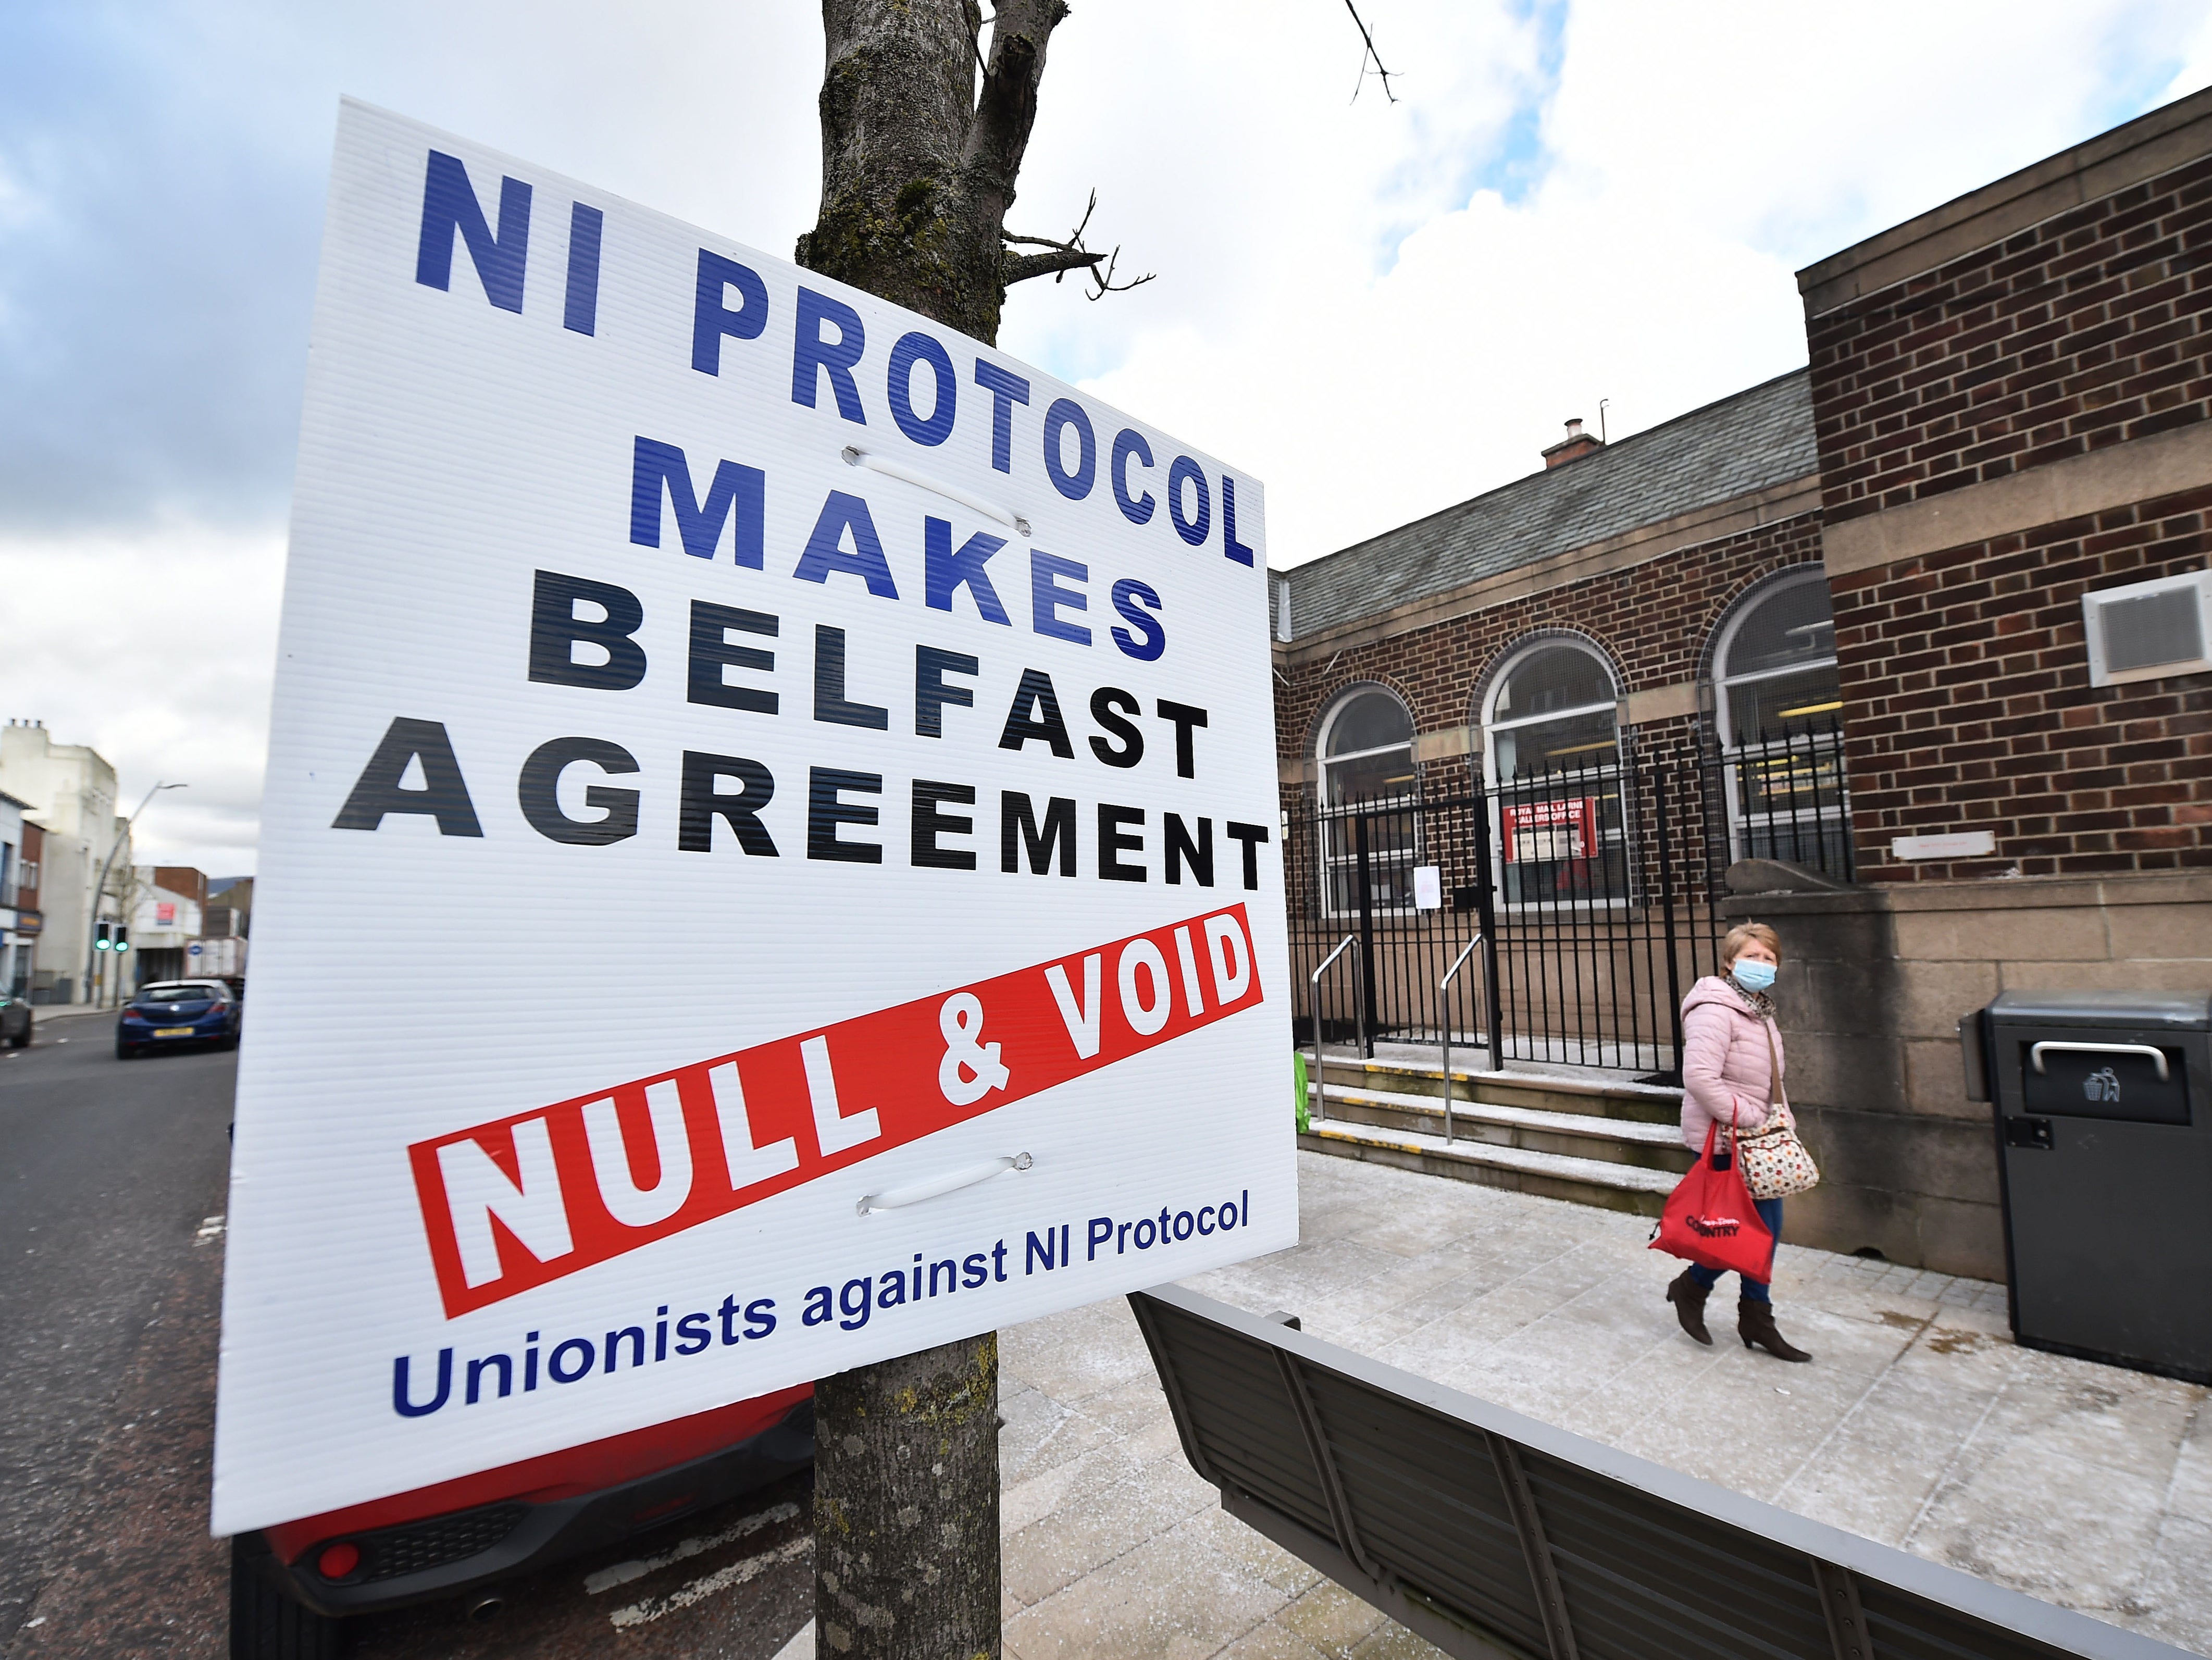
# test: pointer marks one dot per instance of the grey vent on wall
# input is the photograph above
(2148, 630)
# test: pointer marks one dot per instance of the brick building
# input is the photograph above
(1957, 569)
(1617, 575)
(2010, 395)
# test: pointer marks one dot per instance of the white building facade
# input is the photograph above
(70, 789)
(165, 923)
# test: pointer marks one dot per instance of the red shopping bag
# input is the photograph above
(1711, 1219)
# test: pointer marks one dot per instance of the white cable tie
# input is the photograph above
(856, 457)
(914, 1193)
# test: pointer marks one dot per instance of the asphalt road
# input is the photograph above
(112, 1176)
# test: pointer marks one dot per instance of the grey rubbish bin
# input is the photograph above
(2104, 1120)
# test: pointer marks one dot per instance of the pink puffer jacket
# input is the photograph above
(1724, 1062)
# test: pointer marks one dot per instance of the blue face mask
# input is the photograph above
(1753, 974)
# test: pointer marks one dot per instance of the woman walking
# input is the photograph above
(1732, 1069)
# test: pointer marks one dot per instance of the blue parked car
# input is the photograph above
(176, 1013)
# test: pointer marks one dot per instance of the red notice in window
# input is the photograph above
(1546, 832)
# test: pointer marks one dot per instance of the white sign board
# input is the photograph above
(765, 862)
(1952, 844)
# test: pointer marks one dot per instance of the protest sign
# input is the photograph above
(770, 856)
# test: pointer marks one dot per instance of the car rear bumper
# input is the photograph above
(150, 1036)
(441, 1556)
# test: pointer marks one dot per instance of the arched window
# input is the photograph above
(1369, 800)
(1554, 708)
(1366, 749)
(1551, 751)
(1776, 663)
(1779, 710)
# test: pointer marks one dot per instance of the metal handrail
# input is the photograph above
(1444, 1010)
(1313, 1003)
(2157, 1056)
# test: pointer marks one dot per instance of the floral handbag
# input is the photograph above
(1775, 1162)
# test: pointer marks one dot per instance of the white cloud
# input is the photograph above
(1802, 128)
(1444, 376)
(161, 179)
(156, 648)
(1691, 160)
(2195, 73)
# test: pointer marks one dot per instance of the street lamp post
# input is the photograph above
(99, 888)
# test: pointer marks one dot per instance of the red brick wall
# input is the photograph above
(182, 878)
(2082, 331)
(34, 851)
(1655, 621)
(1965, 682)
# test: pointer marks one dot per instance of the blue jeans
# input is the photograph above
(1755, 1290)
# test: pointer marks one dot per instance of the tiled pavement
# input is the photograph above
(1919, 1423)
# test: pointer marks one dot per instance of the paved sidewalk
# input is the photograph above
(65, 1018)
(1919, 1423)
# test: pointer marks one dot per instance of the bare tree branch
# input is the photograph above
(1020, 267)
(1067, 256)
(1006, 109)
(920, 155)
(976, 22)
(1371, 53)
(1107, 285)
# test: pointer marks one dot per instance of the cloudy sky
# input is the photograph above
(1378, 307)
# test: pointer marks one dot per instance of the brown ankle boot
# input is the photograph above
(1688, 1298)
(1754, 1324)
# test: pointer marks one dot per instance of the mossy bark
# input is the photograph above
(906, 1507)
(921, 146)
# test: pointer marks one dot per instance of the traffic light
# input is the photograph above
(122, 937)
(103, 940)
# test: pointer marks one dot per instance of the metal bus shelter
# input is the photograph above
(1496, 1537)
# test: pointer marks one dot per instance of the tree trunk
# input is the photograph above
(918, 170)
(906, 1506)
(918, 166)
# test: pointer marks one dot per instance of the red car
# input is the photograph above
(292, 1585)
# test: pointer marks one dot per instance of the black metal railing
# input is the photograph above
(1787, 800)
(1593, 891)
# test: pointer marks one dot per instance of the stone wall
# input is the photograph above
(1873, 983)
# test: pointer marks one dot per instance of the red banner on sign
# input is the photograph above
(531, 1198)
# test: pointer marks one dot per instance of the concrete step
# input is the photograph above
(1575, 1135)
(1597, 1098)
(1597, 1181)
